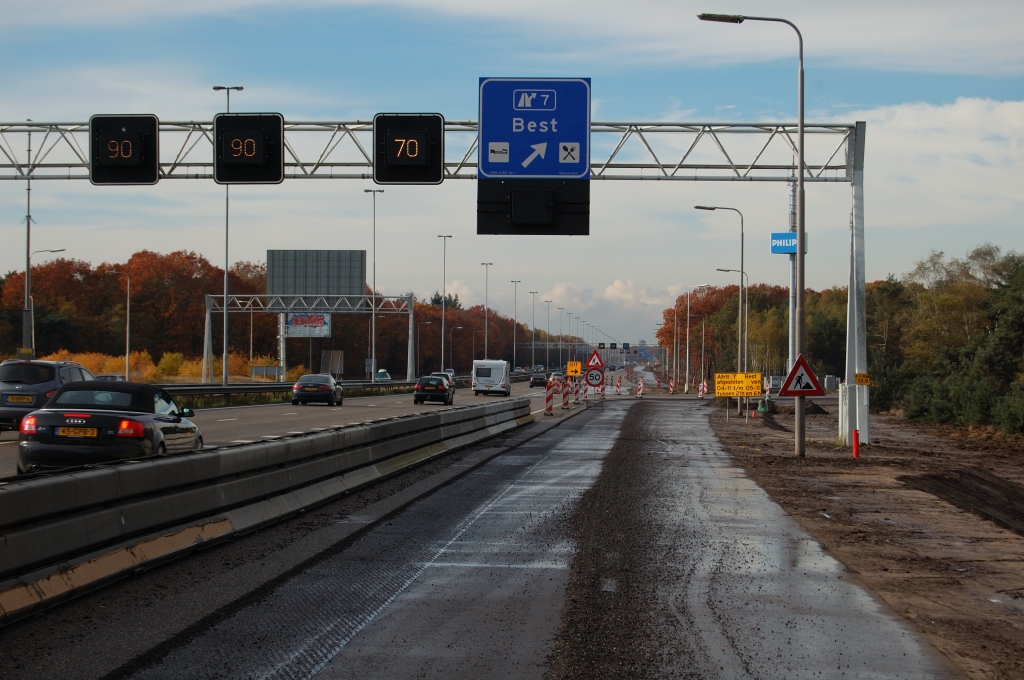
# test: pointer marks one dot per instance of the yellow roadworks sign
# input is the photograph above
(738, 385)
(862, 378)
(574, 369)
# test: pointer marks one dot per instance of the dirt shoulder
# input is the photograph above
(955, 575)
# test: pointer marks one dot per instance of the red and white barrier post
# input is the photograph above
(549, 399)
(640, 389)
(618, 385)
(671, 386)
(657, 381)
(565, 393)
(576, 391)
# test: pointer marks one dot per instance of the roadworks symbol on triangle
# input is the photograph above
(801, 381)
(595, 360)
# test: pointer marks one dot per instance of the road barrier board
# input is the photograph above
(738, 384)
(574, 369)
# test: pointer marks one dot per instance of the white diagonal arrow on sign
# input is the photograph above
(538, 150)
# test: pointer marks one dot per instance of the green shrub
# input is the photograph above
(170, 363)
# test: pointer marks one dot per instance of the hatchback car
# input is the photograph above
(433, 388)
(320, 387)
(447, 376)
(89, 422)
(26, 385)
(538, 380)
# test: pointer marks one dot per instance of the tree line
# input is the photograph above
(945, 341)
(80, 308)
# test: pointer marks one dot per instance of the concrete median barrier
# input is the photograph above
(118, 517)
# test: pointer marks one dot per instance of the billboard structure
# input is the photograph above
(313, 273)
(308, 325)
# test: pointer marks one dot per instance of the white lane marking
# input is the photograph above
(318, 429)
(241, 441)
(224, 420)
(399, 402)
(293, 413)
(11, 442)
(356, 422)
(296, 433)
(271, 436)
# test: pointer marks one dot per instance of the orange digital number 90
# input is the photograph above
(243, 148)
(118, 149)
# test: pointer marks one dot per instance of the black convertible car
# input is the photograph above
(92, 422)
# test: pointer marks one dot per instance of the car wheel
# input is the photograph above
(199, 444)
(330, 402)
(340, 402)
(451, 400)
(161, 450)
(295, 402)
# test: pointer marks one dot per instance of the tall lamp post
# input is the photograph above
(128, 326)
(800, 425)
(29, 335)
(227, 264)
(533, 325)
(418, 328)
(686, 390)
(487, 278)
(373, 293)
(515, 298)
(27, 320)
(739, 311)
(444, 287)
(547, 339)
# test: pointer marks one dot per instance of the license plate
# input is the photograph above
(311, 389)
(77, 432)
(429, 388)
(20, 399)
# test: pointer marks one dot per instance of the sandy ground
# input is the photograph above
(956, 575)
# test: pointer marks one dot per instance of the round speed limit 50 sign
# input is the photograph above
(595, 378)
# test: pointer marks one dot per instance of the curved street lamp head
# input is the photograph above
(373, 191)
(218, 88)
(722, 18)
(705, 207)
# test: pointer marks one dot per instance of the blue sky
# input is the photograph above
(941, 89)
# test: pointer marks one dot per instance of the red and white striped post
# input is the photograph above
(565, 392)
(549, 398)
(618, 385)
(576, 391)
(657, 381)
(671, 386)
(640, 389)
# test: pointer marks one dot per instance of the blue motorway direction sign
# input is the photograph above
(785, 243)
(535, 128)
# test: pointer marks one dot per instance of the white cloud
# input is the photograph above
(916, 35)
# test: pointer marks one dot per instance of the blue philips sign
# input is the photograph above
(785, 243)
(534, 128)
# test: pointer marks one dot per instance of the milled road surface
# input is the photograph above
(687, 569)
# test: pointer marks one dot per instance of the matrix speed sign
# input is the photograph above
(595, 377)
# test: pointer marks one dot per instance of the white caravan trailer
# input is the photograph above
(492, 377)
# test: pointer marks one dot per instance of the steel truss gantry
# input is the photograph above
(652, 151)
(284, 304)
(658, 151)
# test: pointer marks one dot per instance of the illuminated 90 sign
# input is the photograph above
(408, 148)
(244, 147)
(119, 149)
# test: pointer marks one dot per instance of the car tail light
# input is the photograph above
(442, 387)
(28, 425)
(50, 393)
(131, 428)
(326, 388)
(296, 386)
(418, 387)
(77, 415)
(501, 385)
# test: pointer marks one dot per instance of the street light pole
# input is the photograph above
(128, 326)
(444, 287)
(227, 264)
(740, 359)
(560, 310)
(30, 304)
(799, 425)
(487, 277)
(419, 327)
(533, 333)
(26, 315)
(547, 339)
(515, 298)
(373, 293)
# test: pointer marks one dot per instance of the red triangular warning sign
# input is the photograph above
(595, 361)
(801, 381)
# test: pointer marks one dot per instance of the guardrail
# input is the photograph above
(74, 529)
(206, 389)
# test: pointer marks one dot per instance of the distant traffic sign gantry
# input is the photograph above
(408, 148)
(248, 148)
(124, 149)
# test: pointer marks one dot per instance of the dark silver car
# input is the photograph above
(26, 385)
(319, 387)
(92, 422)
